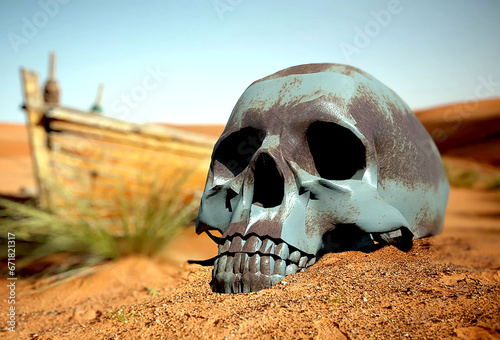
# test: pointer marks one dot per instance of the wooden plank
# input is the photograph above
(32, 94)
(88, 171)
(106, 164)
(37, 136)
(127, 157)
(94, 135)
(90, 119)
(109, 194)
(105, 189)
(90, 184)
(79, 144)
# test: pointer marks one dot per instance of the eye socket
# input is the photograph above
(338, 154)
(237, 149)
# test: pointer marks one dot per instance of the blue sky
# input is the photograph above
(189, 61)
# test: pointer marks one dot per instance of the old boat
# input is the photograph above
(84, 156)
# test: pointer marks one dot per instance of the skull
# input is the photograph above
(317, 158)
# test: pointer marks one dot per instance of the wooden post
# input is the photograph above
(34, 106)
(99, 95)
(52, 93)
(97, 105)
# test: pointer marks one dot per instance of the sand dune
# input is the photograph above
(466, 130)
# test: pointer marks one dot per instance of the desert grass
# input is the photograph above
(469, 174)
(144, 222)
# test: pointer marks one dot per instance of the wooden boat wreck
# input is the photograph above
(96, 158)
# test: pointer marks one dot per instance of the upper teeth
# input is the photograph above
(254, 264)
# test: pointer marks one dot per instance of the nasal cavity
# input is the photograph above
(269, 185)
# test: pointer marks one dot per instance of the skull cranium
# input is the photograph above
(317, 158)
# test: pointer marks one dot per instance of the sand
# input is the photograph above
(15, 161)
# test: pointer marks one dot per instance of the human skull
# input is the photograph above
(317, 158)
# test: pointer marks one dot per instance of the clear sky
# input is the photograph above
(189, 61)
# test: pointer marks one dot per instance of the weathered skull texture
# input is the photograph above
(317, 158)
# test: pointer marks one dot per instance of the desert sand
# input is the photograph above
(445, 287)
(15, 160)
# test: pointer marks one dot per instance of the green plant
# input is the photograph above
(470, 174)
(145, 221)
(336, 299)
(149, 223)
(118, 315)
(494, 184)
(49, 232)
(153, 291)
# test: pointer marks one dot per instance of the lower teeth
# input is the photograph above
(243, 273)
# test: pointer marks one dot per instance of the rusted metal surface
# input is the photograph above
(316, 150)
